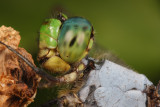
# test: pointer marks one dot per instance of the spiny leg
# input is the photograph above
(70, 100)
(68, 95)
(81, 70)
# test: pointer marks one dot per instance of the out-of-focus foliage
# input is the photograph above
(129, 28)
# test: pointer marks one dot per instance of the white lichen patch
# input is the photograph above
(115, 86)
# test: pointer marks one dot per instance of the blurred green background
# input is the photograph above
(129, 28)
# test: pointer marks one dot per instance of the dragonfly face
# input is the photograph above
(64, 43)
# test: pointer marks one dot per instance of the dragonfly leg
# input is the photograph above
(68, 97)
(70, 100)
(83, 69)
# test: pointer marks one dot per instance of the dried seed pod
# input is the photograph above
(18, 82)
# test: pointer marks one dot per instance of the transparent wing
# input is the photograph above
(101, 54)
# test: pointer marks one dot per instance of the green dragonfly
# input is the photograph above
(63, 43)
(63, 46)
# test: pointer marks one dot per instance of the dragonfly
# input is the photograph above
(64, 44)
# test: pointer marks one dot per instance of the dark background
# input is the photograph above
(128, 28)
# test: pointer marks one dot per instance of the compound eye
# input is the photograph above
(73, 40)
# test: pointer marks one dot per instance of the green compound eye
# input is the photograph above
(73, 39)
